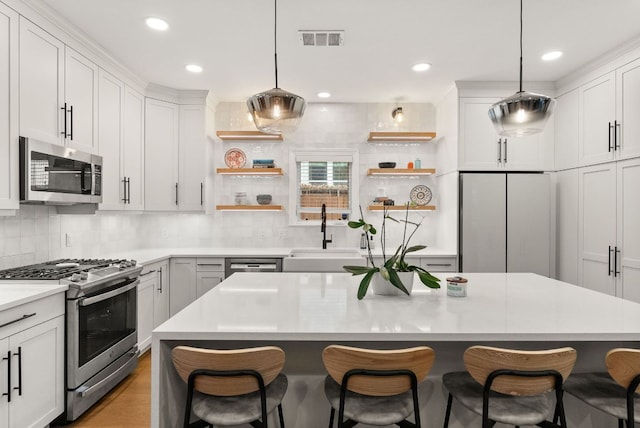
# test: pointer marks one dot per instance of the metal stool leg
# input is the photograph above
(280, 415)
(333, 412)
(446, 416)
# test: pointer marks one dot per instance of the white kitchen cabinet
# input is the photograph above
(566, 225)
(209, 273)
(183, 283)
(567, 126)
(609, 225)
(609, 108)
(482, 149)
(81, 97)
(121, 140)
(58, 91)
(37, 383)
(175, 156)
(153, 301)
(9, 171)
(41, 84)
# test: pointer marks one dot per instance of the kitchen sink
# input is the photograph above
(319, 260)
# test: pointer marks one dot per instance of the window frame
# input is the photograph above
(323, 155)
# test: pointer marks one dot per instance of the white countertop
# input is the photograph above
(315, 306)
(14, 294)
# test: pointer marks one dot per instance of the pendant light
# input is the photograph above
(523, 113)
(276, 111)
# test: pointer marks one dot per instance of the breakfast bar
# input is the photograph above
(304, 312)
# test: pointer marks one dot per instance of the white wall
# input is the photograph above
(38, 233)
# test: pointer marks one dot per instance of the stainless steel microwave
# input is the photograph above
(58, 175)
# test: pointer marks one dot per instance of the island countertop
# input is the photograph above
(315, 306)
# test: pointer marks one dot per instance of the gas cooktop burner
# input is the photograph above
(59, 269)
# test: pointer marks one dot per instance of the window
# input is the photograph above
(323, 178)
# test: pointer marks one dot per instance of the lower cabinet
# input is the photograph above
(429, 263)
(182, 277)
(153, 301)
(209, 273)
(32, 364)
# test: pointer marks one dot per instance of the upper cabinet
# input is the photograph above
(566, 119)
(9, 191)
(609, 106)
(482, 149)
(121, 142)
(175, 148)
(58, 91)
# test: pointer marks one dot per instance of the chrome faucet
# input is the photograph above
(323, 228)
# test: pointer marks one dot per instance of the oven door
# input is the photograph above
(100, 328)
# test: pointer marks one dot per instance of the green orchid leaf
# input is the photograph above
(395, 280)
(356, 224)
(427, 279)
(415, 248)
(364, 284)
(358, 270)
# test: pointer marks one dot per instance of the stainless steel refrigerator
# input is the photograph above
(505, 222)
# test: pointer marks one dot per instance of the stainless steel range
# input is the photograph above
(101, 319)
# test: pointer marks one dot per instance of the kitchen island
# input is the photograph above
(304, 312)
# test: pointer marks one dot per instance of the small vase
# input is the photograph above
(383, 287)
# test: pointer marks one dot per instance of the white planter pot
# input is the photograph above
(384, 288)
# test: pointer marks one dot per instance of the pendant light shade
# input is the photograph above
(276, 111)
(523, 113)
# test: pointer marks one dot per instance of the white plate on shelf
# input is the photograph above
(235, 158)
(420, 195)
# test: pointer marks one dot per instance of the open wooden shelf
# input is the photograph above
(247, 136)
(249, 171)
(402, 207)
(411, 137)
(249, 207)
(401, 171)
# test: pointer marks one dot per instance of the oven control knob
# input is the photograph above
(75, 277)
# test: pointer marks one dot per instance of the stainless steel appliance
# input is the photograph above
(244, 264)
(101, 319)
(58, 175)
(505, 222)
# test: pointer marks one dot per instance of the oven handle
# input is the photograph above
(134, 353)
(99, 298)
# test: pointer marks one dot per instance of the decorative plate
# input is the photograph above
(420, 195)
(235, 158)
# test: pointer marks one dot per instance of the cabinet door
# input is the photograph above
(628, 229)
(525, 153)
(566, 226)
(81, 95)
(480, 145)
(628, 110)
(597, 227)
(41, 84)
(207, 281)
(145, 310)
(4, 372)
(161, 296)
(192, 159)
(567, 128)
(110, 132)
(133, 148)
(42, 358)
(182, 274)
(9, 180)
(598, 108)
(161, 155)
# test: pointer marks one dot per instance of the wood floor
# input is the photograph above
(127, 405)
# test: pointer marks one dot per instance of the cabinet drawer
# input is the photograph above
(210, 264)
(29, 314)
(439, 264)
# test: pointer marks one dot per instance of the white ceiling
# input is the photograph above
(463, 40)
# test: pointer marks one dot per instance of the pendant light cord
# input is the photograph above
(520, 48)
(275, 40)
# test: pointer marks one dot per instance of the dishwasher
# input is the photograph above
(245, 264)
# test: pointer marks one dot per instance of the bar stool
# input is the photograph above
(231, 387)
(511, 386)
(615, 393)
(375, 387)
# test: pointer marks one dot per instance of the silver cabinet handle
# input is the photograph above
(24, 317)
(499, 150)
(176, 193)
(505, 150)
(8, 393)
(439, 264)
(99, 298)
(160, 282)
(616, 143)
(19, 355)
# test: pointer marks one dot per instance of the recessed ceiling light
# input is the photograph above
(157, 24)
(194, 68)
(550, 56)
(423, 66)
(323, 94)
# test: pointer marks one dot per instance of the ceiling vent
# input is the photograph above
(321, 38)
